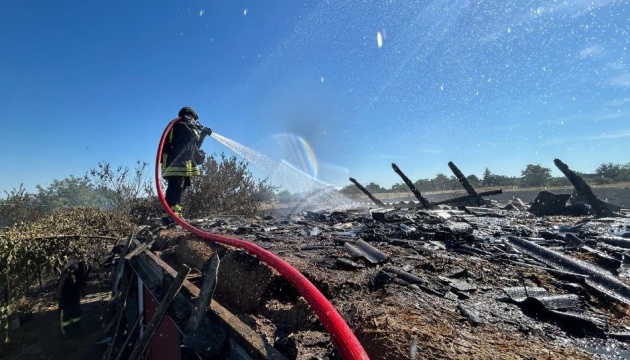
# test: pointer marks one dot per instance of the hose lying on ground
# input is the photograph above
(344, 339)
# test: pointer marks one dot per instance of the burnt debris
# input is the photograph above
(582, 264)
(584, 194)
(423, 201)
(493, 267)
(581, 202)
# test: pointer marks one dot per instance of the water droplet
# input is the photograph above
(379, 39)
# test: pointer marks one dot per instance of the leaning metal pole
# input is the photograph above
(423, 201)
(366, 192)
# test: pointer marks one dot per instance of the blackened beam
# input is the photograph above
(584, 190)
(424, 201)
(366, 192)
(468, 197)
(159, 314)
(462, 180)
(207, 291)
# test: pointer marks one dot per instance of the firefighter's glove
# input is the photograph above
(206, 131)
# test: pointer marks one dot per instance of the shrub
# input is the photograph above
(226, 186)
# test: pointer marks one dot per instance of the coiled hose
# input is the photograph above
(344, 339)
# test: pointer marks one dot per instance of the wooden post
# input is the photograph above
(122, 312)
(133, 330)
(423, 201)
(366, 192)
(478, 200)
(140, 248)
(120, 266)
(582, 188)
(155, 321)
(207, 290)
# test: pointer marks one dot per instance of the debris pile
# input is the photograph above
(460, 278)
(432, 282)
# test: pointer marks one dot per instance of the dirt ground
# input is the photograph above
(39, 336)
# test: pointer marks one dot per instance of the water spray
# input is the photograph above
(291, 178)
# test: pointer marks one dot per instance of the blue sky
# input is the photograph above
(336, 88)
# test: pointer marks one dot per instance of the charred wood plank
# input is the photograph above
(468, 197)
(584, 190)
(130, 335)
(203, 301)
(366, 192)
(139, 249)
(478, 200)
(254, 344)
(155, 321)
(598, 279)
(121, 265)
(366, 251)
(424, 201)
(110, 347)
(615, 240)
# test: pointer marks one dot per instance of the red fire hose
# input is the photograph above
(340, 332)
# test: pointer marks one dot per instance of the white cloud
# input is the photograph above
(573, 8)
(593, 51)
(612, 136)
(411, 156)
(622, 80)
(619, 135)
(618, 102)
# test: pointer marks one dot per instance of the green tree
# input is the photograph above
(473, 180)
(488, 178)
(374, 188)
(441, 182)
(350, 190)
(609, 170)
(399, 187)
(69, 192)
(19, 206)
(423, 184)
(535, 176)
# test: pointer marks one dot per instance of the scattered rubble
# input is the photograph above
(443, 283)
(459, 278)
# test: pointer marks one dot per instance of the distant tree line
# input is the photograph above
(225, 187)
(531, 176)
(228, 187)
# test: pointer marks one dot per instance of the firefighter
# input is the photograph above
(181, 155)
(69, 288)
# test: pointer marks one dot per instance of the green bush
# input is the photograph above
(226, 186)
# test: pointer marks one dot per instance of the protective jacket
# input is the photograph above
(69, 290)
(181, 153)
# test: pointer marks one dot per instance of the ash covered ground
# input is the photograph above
(451, 283)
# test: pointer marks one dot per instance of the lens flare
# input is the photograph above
(298, 152)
